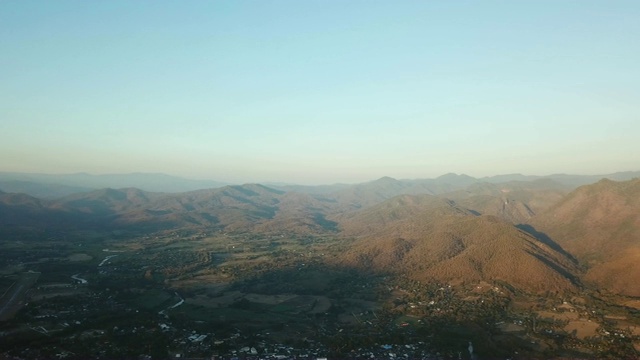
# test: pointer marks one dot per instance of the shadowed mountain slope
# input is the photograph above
(40, 190)
(106, 201)
(230, 207)
(425, 237)
(20, 209)
(245, 208)
(27, 212)
(600, 224)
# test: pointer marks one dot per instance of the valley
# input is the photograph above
(319, 180)
(252, 272)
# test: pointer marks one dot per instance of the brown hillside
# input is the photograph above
(514, 201)
(398, 215)
(374, 192)
(600, 224)
(299, 213)
(425, 238)
(514, 211)
(250, 207)
(105, 201)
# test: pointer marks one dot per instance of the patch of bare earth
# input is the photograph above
(583, 327)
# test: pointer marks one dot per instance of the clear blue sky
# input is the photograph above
(319, 91)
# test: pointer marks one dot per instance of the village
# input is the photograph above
(226, 296)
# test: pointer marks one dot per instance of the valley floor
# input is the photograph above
(248, 296)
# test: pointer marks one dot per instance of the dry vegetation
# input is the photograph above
(427, 238)
(600, 224)
(492, 262)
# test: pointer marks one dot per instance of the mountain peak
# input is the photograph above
(456, 180)
(386, 180)
(451, 175)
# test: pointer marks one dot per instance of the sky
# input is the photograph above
(316, 92)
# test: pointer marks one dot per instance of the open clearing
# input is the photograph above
(582, 327)
(12, 299)
(79, 257)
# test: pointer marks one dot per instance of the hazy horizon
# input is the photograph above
(320, 92)
(329, 183)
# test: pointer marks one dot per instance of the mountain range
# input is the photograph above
(535, 234)
(51, 186)
(59, 185)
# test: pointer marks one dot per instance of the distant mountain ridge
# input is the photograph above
(50, 186)
(58, 185)
(249, 207)
(565, 179)
(41, 190)
(257, 206)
